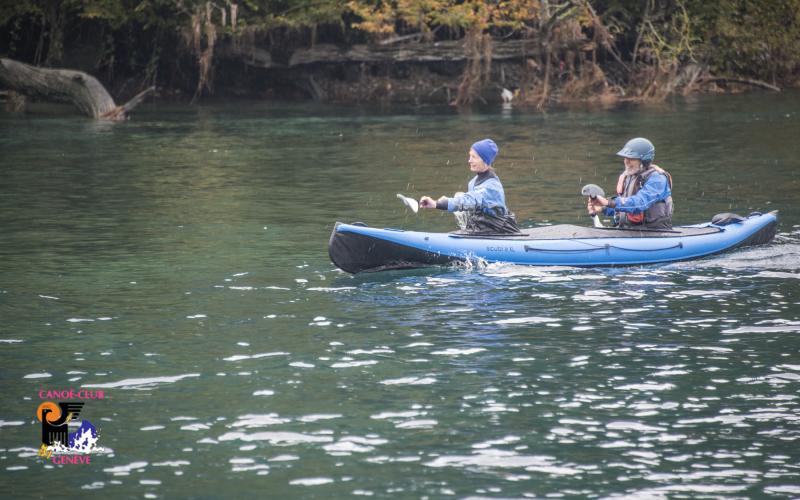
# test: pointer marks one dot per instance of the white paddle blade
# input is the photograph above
(409, 202)
(597, 222)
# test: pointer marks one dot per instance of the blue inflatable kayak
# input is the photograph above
(355, 247)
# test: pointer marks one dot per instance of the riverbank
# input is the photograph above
(510, 81)
(518, 82)
(442, 52)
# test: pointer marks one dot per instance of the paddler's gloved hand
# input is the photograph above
(604, 202)
(428, 202)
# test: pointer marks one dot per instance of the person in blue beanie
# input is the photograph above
(484, 203)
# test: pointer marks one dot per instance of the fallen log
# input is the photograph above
(66, 85)
(742, 81)
(415, 52)
(451, 50)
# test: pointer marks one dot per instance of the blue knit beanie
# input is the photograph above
(486, 149)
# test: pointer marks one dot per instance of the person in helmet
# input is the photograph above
(482, 209)
(644, 190)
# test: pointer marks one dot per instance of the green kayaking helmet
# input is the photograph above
(639, 148)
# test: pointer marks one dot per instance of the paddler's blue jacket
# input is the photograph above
(484, 194)
(655, 189)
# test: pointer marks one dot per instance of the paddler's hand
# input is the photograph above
(427, 202)
(595, 206)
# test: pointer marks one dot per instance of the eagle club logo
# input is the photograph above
(64, 441)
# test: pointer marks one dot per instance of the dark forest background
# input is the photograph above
(541, 51)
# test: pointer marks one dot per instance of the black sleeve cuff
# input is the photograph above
(441, 205)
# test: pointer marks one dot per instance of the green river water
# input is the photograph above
(178, 263)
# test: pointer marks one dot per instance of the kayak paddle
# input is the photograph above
(593, 191)
(409, 202)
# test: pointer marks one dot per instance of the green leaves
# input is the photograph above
(749, 38)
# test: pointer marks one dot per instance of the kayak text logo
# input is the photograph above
(58, 443)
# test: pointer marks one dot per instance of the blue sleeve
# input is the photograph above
(654, 190)
(488, 194)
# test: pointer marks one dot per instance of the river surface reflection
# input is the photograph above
(178, 263)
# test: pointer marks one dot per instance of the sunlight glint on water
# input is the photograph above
(178, 262)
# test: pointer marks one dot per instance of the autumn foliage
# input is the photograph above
(573, 49)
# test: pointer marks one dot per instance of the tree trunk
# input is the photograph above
(55, 16)
(546, 84)
(65, 85)
(413, 52)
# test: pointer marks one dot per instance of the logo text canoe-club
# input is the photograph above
(61, 444)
